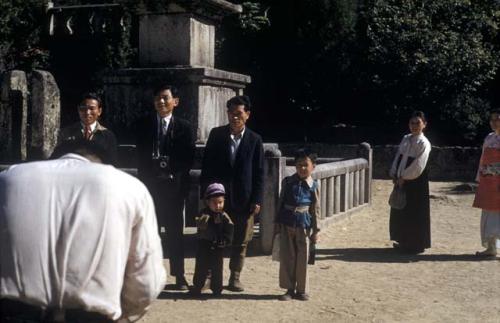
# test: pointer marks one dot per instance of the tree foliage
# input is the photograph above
(21, 34)
(433, 55)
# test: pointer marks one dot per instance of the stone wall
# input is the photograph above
(445, 163)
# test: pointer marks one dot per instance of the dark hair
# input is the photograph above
(418, 114)
(91, 96)
(239, 100)
(82, 147)
(495, 111)
(303, 153)
(163, 87)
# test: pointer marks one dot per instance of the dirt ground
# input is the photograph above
(359, 278)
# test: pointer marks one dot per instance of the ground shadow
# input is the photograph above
(175, 295)
(389, 255)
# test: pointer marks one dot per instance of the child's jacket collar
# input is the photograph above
(309, 180)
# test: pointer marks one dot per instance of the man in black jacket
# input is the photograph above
(234, 156)
(89, 128)
(165, 149)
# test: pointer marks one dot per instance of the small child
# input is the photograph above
(297, 224)
(215, 231)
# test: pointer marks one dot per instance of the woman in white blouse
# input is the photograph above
(410, 227)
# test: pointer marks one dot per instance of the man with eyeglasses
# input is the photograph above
(89, 128)
(165, 151)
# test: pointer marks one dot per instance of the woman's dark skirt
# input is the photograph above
(411, 226)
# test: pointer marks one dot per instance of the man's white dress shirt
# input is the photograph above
(77, 234)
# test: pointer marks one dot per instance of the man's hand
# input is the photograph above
(315, 237)
(254, 209)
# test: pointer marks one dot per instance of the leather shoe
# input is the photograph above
(234, 282)
(181, 283)
(287, 296)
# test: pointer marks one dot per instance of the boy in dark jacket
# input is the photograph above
(215, 232)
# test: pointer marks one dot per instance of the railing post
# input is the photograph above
(362, 186)
(336, 205)
(330, 196)
(351, 190)
(355, 195)
(274, 167)
(365, 151)
(324, 202)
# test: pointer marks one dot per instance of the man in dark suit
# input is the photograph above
(89, 110)
(234, 156)
(165, 150)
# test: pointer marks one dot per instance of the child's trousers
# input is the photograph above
(208, 258)
(294, 252)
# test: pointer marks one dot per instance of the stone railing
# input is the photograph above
(345, 186)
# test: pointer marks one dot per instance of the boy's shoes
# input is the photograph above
(234, 284)
(181, 283)
(302, 296)
(287, 296)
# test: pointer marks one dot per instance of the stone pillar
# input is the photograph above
(13, 116)
(44, 116)
(365, 151)
(274, 166)
(175, 39)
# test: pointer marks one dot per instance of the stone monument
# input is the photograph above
(176, 46)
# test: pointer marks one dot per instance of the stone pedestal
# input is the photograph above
(45, 115)
(203, 95)
(176, 47)
(176, 39)
(13, 116)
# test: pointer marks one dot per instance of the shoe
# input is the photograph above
(194, 292)
(234, 284)
(208, 281)
(287, 296)
(302, 296)
(486, 254)
(216, 293)
(181, 283)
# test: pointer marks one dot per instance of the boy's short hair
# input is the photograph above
(495, 111)
(214, 189)
(239, 100)
(91, 96)
(163, 87)
(305, 153)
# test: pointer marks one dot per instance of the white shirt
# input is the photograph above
(417, 147)
(235, 143)
(92, 127)
(77, 234)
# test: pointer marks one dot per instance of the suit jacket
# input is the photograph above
(102, 135)
(243, 180)
(181, 148)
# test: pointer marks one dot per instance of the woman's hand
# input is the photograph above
(315, 237)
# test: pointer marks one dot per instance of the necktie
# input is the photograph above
(87, 132)
(163, 127)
